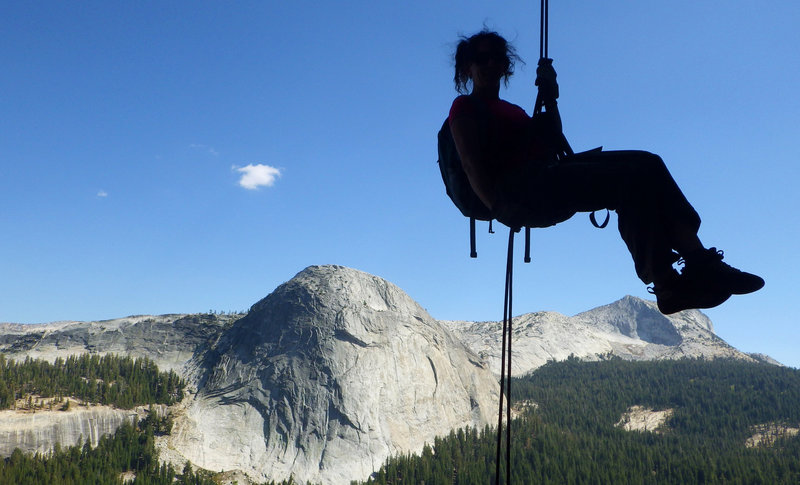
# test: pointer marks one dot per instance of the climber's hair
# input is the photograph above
(468, 47)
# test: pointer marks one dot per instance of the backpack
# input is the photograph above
(455, 179)
(457, 184)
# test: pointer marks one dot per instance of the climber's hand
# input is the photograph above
(546, 79)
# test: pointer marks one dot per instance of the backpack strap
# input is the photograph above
(473, 253)
(527, 244)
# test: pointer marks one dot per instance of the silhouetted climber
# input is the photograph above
(511, 163)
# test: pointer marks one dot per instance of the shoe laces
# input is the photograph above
(711, 254)
(717, 255)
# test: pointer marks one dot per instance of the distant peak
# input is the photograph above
(630, 312)
(340, 287)
(329, 270)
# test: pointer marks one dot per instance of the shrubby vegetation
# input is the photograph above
(571, 436)
(119, 381)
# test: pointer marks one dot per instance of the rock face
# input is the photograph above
(333, 372)
(328, 376)
(630, 328)
(168, 340)
(640, 418)
(767, 435)
(38, 432)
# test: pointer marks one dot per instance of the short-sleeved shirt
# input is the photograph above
(507, 131)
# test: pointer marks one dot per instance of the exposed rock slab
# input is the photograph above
(640, 418)
(766, 435)
(38, 432)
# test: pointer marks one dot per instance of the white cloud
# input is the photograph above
(205, 148)
(258, 175)
(102, 193)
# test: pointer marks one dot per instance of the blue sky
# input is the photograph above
(127, 129)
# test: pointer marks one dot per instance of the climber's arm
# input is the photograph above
(476, 161)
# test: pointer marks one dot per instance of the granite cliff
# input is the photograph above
(37, 432)
(328, 376)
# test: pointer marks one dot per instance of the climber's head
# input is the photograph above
(485, 57)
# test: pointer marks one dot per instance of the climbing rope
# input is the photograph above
(505, 353)
(543, 28)
(505, 364)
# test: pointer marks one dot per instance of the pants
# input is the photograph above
(636, 184)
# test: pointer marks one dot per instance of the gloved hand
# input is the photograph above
(546, 80)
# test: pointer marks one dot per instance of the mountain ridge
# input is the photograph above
(630, 328)
(337, 369)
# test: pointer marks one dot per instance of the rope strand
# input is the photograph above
(510, 270)
(505, 366)
(543, 28)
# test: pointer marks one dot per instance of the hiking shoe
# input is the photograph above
(684, 294)
(708, 270)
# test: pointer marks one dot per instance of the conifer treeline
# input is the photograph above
(120, 381)
(571, 435)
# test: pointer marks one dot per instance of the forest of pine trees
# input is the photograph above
(571, 437)
(120, 381)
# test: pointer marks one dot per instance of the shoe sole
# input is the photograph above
(751, 289)
(709, 302)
